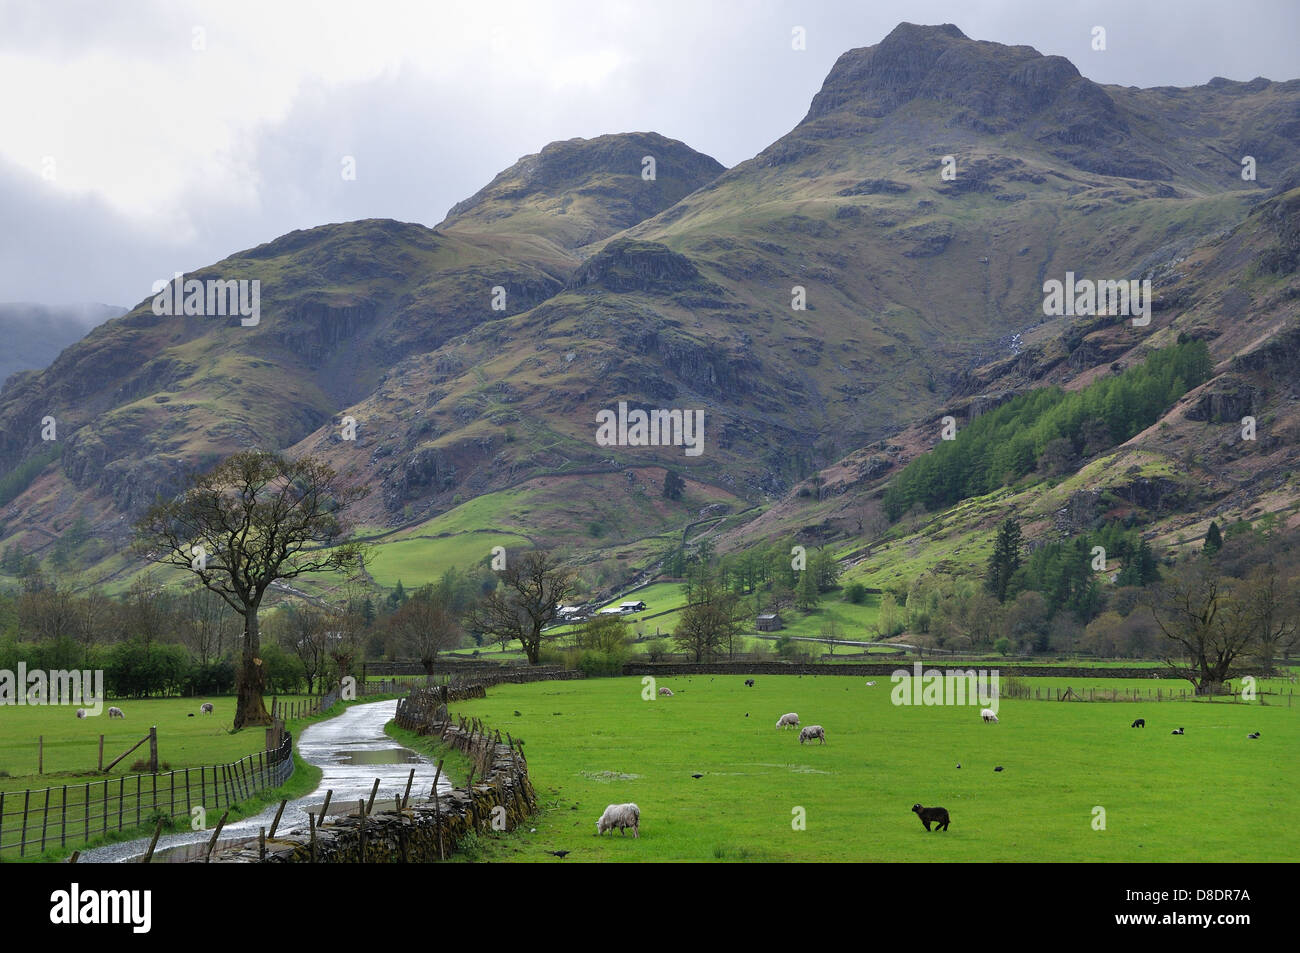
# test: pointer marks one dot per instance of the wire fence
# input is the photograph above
(32, 821)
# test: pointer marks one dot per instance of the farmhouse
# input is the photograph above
(631, 606)
(769, 622)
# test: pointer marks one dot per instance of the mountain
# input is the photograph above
(922, 293)
(36, 333)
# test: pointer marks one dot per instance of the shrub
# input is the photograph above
(595, 662)
(855, 592)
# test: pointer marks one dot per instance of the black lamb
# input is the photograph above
(938, 816)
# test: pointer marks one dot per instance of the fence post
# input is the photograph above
(63, 818)
(40, 754)
(326, 806)
(280, 810)
(311, 823)
(215, 834)
(153, 749)
(101, 752)
(361, 819)
(45, 818)
(22, 842)
(153, 842)
(373, 791)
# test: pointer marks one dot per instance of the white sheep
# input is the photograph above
(871, 684)
(115, 713)
(206, 708)
(621, 816)
(811, 732)
(988, 714)
(665, 691)
(789, 720)
(81, 713)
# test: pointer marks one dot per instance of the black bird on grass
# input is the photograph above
(697, 776)
(559, 853)
(998, 768)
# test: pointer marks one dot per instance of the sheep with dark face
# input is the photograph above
(1176, 731)
(621, 816)
(937, 816)
(811, 732)
(206, 708)
(81, 713)
(116, 713)
(666, 691)
(1253, 734)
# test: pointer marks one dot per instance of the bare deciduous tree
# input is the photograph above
(533, 587)
(256, 518)
(425, 626)
(1207, 624)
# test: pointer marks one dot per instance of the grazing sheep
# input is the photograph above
(749, 683)
(1140, 723)
(665, 691)
(788, 720)
(206, 708)
(811, 732)
(937, 816)
(621, 816)
(1176, 731)
(1253, 734)
(115, 713)
(81, 713)
(871, 684)
(989, 715)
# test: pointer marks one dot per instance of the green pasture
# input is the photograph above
(1209, 795)
(72, 744)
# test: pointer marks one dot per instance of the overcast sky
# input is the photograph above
(140, 138)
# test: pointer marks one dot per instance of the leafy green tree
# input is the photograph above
(1213, 539)
(806, 593)
(1005, 561)
(674, 485)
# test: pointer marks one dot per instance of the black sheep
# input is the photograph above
(749, 682)
(938, 816)
(1140, 723)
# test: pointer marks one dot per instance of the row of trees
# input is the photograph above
(1047, 429)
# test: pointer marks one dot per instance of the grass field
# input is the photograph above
(1210, 795)
(72, 744)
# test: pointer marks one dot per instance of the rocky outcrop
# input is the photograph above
(628, 265)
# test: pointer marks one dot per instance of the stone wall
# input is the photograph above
(876, 669)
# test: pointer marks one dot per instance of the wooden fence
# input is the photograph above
(53, 817)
